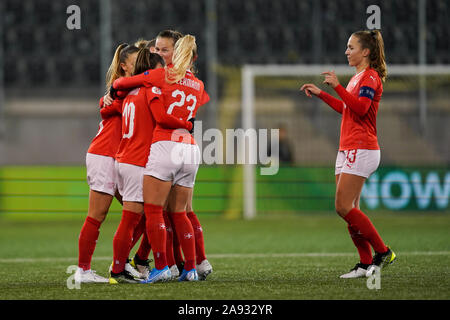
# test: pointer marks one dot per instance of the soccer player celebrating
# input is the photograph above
(101, 172)
(164, 46)
(140, 109)
(174, 156)
(359, 152)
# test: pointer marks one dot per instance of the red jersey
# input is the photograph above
(108, 137)
(181, 99)
(137, 127)
(359, 110)
(140, 109)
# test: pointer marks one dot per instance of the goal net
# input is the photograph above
(412, 123)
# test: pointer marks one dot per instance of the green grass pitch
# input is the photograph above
(270, 258)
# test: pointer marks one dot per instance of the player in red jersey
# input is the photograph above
(359, 152)
(164, 46)
(140, 109)
(101, 174)
(183, 94)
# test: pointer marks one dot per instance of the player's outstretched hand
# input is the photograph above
(330, 79)
(310, 89)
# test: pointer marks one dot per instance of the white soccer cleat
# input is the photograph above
(132, 271)
(204, 269)
(88, 276)
(358, 271)
(174, 271)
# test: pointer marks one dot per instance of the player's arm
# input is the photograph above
(147, 79)
(113, 109)
(361, 104)
(100, 102)
(333, 102)
(165, 120)
(204, 99)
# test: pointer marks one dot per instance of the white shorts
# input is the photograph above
(174, 161)
(130, 182)
(360, 162)
(101, 173)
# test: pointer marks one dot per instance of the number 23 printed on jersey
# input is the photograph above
(181, 102)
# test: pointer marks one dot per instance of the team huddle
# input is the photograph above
(145, 156)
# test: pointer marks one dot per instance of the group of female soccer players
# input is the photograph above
(144, 155)
(144, 151)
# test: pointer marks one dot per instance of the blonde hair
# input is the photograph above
(141, 43)
(115, 71)
(185, 52)
(373, 41)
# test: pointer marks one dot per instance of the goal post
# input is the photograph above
(250, 72)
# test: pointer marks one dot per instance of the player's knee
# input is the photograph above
(341, 207)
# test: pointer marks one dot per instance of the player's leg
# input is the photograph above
(99, 204)
(101, 177)
(345, 201)
(203, 266)
(348, 190)
(184, 230)
(177, 264)
(129, 183)
(131, 216)
(140, 260)
(156, 192)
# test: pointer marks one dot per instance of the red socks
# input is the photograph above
(198, 233)
(156, 233)
(87, 242)
(169, 240)
(123, 238)
(185, 235)
(363, 246)
(145, 247)
(360, 222)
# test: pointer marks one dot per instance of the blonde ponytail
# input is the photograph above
(185, 52)
(115, 71)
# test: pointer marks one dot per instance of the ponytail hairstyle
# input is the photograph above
(373, 41)
(115, 71)
(147, 60)
(141, 43)
(184, 55)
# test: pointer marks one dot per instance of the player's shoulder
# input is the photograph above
(155, 72)
(372, 76)
(371, 73)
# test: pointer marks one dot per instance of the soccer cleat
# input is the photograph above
(358, 271)
(122, 277)
(381, 260)
(156, 275)
(204, 269)
(88, 276)
(174, 271)
(190, 275)
(135, 273)
(142, 266)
